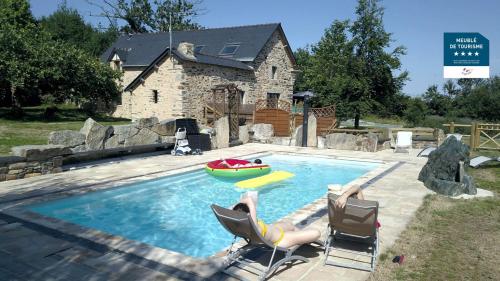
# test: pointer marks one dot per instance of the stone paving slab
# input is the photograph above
(399, 193)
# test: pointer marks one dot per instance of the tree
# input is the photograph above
(437, 103)
(416, 112)
(373, 65)
(141, 16)
(303, 59)
(450, 88)
(350, 67)
(32, 63)
(67, 24)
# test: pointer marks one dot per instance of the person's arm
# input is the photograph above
(251, 206)
(342, 200)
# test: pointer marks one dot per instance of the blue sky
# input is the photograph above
(417, 24)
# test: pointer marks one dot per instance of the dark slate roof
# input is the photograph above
(143, 49)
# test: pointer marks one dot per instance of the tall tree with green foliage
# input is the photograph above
(31, 62)
(143, 16)
(67, 25)
(374, 67)
(350, 67)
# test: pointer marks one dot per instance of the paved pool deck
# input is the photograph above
(36, 248)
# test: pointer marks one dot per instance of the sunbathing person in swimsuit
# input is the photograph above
(283, 234)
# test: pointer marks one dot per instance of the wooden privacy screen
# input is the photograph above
(280, 119)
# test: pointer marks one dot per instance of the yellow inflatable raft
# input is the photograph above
(265, 180)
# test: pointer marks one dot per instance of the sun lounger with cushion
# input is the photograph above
(480, 160)
(403, 141)
(241, 225)
(352, 230)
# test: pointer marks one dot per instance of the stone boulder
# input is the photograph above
(262, 132)
(244, 137)
(66, 138)
(221, 127)
(443, 173)
(297, 135)
(123, 132)
(280, 140)
(312, 140)
(341, 141)
(321, 142)
(368, 142)
(165, 127)
(146, 122)
(95, 134)
(113, 142)
(40, 152)
(143, 137)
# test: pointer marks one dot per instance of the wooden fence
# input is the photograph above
(482, 136)
(278, 115)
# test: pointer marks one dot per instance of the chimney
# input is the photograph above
(187, 49)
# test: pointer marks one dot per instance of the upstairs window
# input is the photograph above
(272, 100)
(229, 49)
(273, 72)
(155, 96)
(198, 49)
(242, 97)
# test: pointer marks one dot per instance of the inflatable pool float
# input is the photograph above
(265, 180)
(236, 168)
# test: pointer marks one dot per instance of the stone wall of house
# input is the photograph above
(274, 54)
(201, 78)
(183, 89)
(124, 109)
(167, 81)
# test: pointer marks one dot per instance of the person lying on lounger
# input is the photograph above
(283, 234)
(354, 191)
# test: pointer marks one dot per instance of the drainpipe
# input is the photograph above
(305, 121)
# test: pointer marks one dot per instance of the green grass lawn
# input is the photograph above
(451, 239)
(33, 129)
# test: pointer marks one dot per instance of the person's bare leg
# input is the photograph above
(298, 237)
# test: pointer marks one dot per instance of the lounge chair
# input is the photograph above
(355, 226)
(241, 225)
(480, 160)
(403, 141)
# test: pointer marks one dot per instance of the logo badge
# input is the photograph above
(466, 55)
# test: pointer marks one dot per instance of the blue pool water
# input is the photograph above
(174, 212)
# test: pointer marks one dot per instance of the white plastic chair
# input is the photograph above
(403, 141)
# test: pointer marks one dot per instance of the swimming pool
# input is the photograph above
(174, 212)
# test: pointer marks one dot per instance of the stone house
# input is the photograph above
(177, 82)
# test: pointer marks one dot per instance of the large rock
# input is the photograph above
(341, 141)
(321, 142)
(112, 142)
(95, 134)
(146, 122)
(40, 152)
(66, 138)
(368, 142)
(297, 135)
(312, 140)
(280, 140)
(123, 132)
(262, 132)
(165, 127)
(143, 137)
(243, 134)
(221, 127)
(442, 172)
